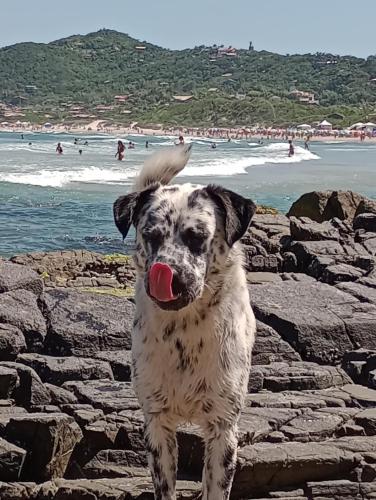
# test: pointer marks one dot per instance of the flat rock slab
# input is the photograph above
(266, 466)
(20, 309)
(49, 440)
(300, 376)
(116, 463)
(359, 291)
(16, 277)
(83, 323)
(110, 489)
(57, 370)
(11, 461)
(318, 320)
(107, 395)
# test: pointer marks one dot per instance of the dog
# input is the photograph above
(194, 327)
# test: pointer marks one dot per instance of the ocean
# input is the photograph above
(51, 202)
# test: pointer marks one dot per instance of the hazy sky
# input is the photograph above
(290, 26)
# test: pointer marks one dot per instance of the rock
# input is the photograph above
(9, 381)
(115, 463)
(364, 396)
(299, 376)
(12, 342)
(341, 489)
(265, 466)
(29, 391)
(120, 361)
(84, 323)
(360, 291)
(49, 441)
(107, 395)
(11, 461)
(341, 272)
(20, 309)
(299, 312)
(18, 491)
(367, 419)
(60, 396)
(366, 206)
(57, 370)
(312, 426)
(6, 413)
(16, 277)
(310, 205)
(304, 229)
(366, 222)
(269, 347)
(135, 488)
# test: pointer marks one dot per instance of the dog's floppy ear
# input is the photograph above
(126, 208)
(237, 211)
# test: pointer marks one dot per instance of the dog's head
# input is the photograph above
(183, 236)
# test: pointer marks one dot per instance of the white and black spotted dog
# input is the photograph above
(194, 327)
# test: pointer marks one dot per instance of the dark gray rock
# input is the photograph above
(107, 395)
(367, 419)
(49, 441)
(341, 272)
(120, 361)
(60, 396)
(360, 291)
(11, 461)
(18, 491)
(20, 309)
(317, 320)
(366, 206)
(57, 370)
(84, 323)
(9, 381)
(305, 229)
(12, 342)
(265, 466)
(115, 463)
(366, 222)
(29, 391)
(299, 376)
(16, 277)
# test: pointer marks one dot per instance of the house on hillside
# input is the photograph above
(182, 98)
(121, 98)
(303, 97)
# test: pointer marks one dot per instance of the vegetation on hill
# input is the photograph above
(234, 88)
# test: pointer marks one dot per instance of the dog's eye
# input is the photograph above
(154, 238)
(194, 241)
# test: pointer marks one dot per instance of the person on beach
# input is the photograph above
(59, 148)
(131, 145)
(306, 143)
(22, 136)
(146, 144)
(120, 151)
(181, 141)
(291, 149)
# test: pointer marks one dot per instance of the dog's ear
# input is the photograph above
(237, 211)
(127, 208)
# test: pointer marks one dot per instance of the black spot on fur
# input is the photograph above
(169, 330)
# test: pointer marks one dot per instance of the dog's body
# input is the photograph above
(194, 327)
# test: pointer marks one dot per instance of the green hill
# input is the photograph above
(233, 88)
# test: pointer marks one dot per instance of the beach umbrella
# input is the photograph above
(304, 126)
(357, 126)
(47, 125)
(370, 125)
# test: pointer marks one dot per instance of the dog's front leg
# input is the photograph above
(160, 440)
(220, 461)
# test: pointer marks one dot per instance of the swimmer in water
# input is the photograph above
(291, 149)
(59, 149)
(80, 151)
(120, 151)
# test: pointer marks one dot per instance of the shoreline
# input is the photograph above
(95, 128)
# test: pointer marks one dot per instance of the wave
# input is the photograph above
(60, 178)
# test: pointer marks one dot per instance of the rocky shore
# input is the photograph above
(70, 425)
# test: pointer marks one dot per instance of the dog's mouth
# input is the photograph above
(165, 289)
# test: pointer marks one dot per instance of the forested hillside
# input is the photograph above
(227, 86)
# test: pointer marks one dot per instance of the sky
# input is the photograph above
(287, 27)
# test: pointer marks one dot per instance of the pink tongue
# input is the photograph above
(160, 282)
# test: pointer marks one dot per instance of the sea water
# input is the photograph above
(50, 201)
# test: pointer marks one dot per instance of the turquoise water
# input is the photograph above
(50, 202)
